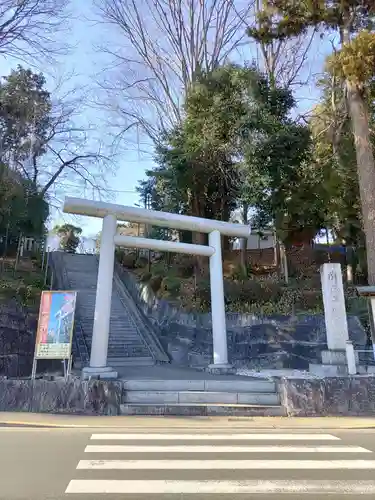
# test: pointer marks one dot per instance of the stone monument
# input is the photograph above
(334, 361)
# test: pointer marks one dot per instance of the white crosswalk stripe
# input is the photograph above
(132, 465)
(224, 464)
(221, 487)
(118, 448)
(214, 437)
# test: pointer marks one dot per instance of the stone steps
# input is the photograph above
(118, 362)
(130, 352)
(212, 385)
(120, 350)
(120, 343)
(125, 339)
(221, 396)
(202, 410)
(204, 397)
(123, 344)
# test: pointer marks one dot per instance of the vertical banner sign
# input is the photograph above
(55, 326)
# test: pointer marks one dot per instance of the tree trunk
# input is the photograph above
(243, 254)
(198, 238)
(366, 170)
(284, 263)
(350, 267)
(243, 241)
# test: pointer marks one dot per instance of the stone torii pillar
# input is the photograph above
(111, 214)
(100, 335)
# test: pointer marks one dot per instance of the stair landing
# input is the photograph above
(173, 372)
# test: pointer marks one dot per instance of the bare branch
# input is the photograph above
(164, 45)
(28, 28)
(70, 150)
(286, 62)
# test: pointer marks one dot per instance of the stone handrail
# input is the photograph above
(157, 310)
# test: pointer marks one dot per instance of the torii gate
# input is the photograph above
(111, 213)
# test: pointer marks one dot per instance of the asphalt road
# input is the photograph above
(204, 463)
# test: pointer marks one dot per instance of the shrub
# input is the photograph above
(185, 269)
(247, 291)
(203, 293)
(159, 268)
(36, 281)
(232, 291)
(171, 285)
(239, 273)
(270, 291)
(28, 295)
(141, 262)
(129, 260)
(155, 282)
(119, 254)
(37, 259)
(310, 300)
(145, 277)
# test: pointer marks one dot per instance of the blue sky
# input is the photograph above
(86, 63)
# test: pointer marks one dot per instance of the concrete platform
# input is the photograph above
(170, 372)
(321, 370)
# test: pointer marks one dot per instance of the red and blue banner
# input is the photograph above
(56, 324)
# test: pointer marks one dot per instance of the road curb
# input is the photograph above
(12, 423)
(251, 425)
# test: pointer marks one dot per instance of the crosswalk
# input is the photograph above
(226, 463)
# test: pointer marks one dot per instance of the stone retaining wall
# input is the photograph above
(17, 339)
(300, 397)
(255, 342)
(18, 327)
(350, 396)
(73, 396)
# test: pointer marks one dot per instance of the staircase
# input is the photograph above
(130, 341)
(157, 388)
(202, 397)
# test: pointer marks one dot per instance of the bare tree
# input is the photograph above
(70, 153)
(28, 28)
(286, 62)
(47, 136)
(163, 47)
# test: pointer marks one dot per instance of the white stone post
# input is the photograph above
(350, 358)
(372, 304)
(334, 307)
(102, 317)
(340, 356)
(219, 331)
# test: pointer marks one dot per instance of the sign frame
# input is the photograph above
(44, 316)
